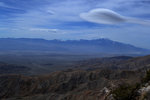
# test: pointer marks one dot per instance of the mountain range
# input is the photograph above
(70, 46)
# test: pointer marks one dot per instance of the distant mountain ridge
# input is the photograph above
(70, 46)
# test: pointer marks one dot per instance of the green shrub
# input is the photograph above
(125, 92)
(147, 77)
(129, 92)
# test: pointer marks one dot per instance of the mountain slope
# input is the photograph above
(65, 84)
(121, 62)
(69, 46)
(95, 84)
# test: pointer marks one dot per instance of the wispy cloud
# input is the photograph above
(44, 30)
(2, 4)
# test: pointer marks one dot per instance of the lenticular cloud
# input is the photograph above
(106, 16)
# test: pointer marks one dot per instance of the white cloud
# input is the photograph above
(44, 30)
(103, 16)
(106, 16)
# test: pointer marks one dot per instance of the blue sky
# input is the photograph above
(60, 19)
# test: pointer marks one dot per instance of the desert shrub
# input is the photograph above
(147, 77)
(125, 92)
(129, 92)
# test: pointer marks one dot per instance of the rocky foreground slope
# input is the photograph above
(96, 84)
(71, 85)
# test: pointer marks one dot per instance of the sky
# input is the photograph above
(125, 21)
